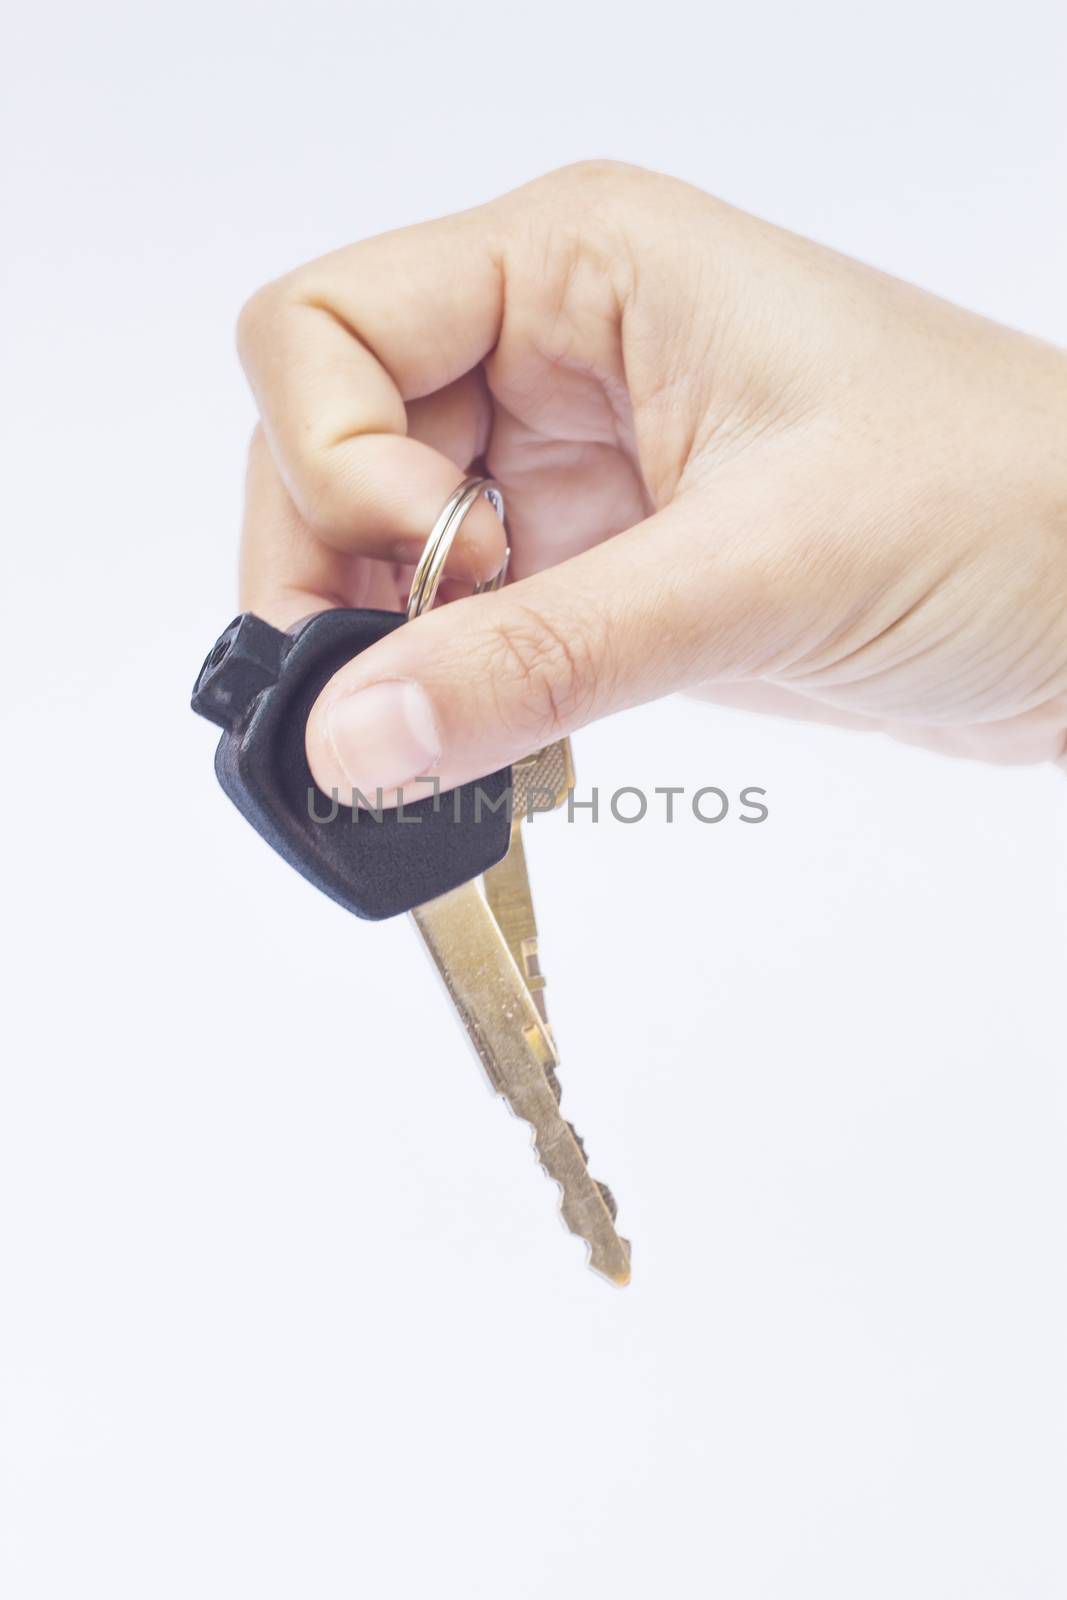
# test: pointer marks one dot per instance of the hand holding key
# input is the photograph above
(733, 462)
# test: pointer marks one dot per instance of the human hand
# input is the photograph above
(733, 462)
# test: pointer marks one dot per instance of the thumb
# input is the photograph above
(480, 683)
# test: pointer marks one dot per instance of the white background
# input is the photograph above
(286, 1307)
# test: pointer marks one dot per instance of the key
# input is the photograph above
(259, 685)
(516, 1049)
(541, 782)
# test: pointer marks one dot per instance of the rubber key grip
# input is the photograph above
(259, 685)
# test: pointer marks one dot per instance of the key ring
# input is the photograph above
(431, 567)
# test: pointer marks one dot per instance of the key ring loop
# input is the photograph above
(431, 567)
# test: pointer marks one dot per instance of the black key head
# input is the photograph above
(259, 685)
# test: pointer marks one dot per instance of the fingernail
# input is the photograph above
(384, 736)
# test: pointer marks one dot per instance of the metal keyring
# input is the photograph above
(431, 567)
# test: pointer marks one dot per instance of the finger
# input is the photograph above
(286, 571)
(454, 421)
(335, 351)
(464, 690)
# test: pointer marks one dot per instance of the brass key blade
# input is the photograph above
(506, 1029)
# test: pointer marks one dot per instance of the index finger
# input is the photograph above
(334, 350)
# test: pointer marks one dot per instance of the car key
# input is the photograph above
(259, 684)
(541, 782)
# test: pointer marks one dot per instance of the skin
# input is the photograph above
(734, 463)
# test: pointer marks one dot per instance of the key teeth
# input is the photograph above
(580, 1142)
(614, 1266)
(511, 1037)
(606, 1194)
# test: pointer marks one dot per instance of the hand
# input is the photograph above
(733, 462)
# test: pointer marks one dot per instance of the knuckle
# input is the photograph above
(578, 240)
(544, 680)
(255, 317)
(272, 304)
(598, 173)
